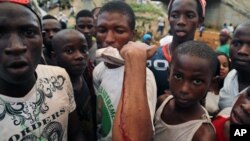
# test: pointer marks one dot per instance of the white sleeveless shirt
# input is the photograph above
(181, 132)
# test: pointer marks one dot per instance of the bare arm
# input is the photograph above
(205, 133)
(132, 120)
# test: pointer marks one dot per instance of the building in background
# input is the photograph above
(219, 12)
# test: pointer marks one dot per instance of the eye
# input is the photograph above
(177, 76)
(56, 30)
(84, 50)
(90, 26)
(237, 43)
(29, 32)
(120, 31)
(69, 51)
(225, 65)
(174, 15)
(101, 30)
(197, 82)
(190, 15)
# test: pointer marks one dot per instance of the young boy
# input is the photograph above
(180, 115)
(238, 78)
(239, 115)
(71, 52)
(184, 17)
(37, 102)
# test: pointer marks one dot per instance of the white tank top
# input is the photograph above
(181, 132)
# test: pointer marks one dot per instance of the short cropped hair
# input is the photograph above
(120, 7)
(198, 49)
(199, 8)
(84, 13)
(49, 17)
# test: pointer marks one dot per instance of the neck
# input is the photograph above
(17, 89)
(189, 109)
(90, 42)
(173, 46)
(243, 80)
(77, 82)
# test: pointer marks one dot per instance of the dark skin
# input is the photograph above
(183, 20)
(224, 38)
(113, 30)
(188, 84)
(86, 26)
(71, 52)
(50, 28)
(240, 54)
(239, 114)
(21, 47)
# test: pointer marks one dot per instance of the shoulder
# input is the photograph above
(206, 132)
(161, 99)
(47, 70)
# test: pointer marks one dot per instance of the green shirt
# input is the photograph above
(223, 49)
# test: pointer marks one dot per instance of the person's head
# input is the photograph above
(192, 70)
(20, 42)
(224, 64)
(184, 17)
(115, 24)
(224, 36)
(240, 111)
(50, 27)
(85, 24)
(147, 38)
(70, 51)
(240, 48)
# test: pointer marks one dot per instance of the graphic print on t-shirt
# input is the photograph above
(32, 118)
(108, 112)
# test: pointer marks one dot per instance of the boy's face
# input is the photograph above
(86, 26)
(189, 79)
(20, 43)
(241, 109)
(72, 53)
(113, 30)
(240, 49)
(50, 28)
(184, 19)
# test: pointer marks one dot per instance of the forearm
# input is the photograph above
(132, 121)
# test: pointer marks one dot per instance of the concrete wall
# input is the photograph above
(218, 13)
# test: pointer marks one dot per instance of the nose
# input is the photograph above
(110, 38)
(86, 30)
(182, 20)
(15, 46)
(184, 87)
(80, 56)
(244, 50)
(51, 34)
